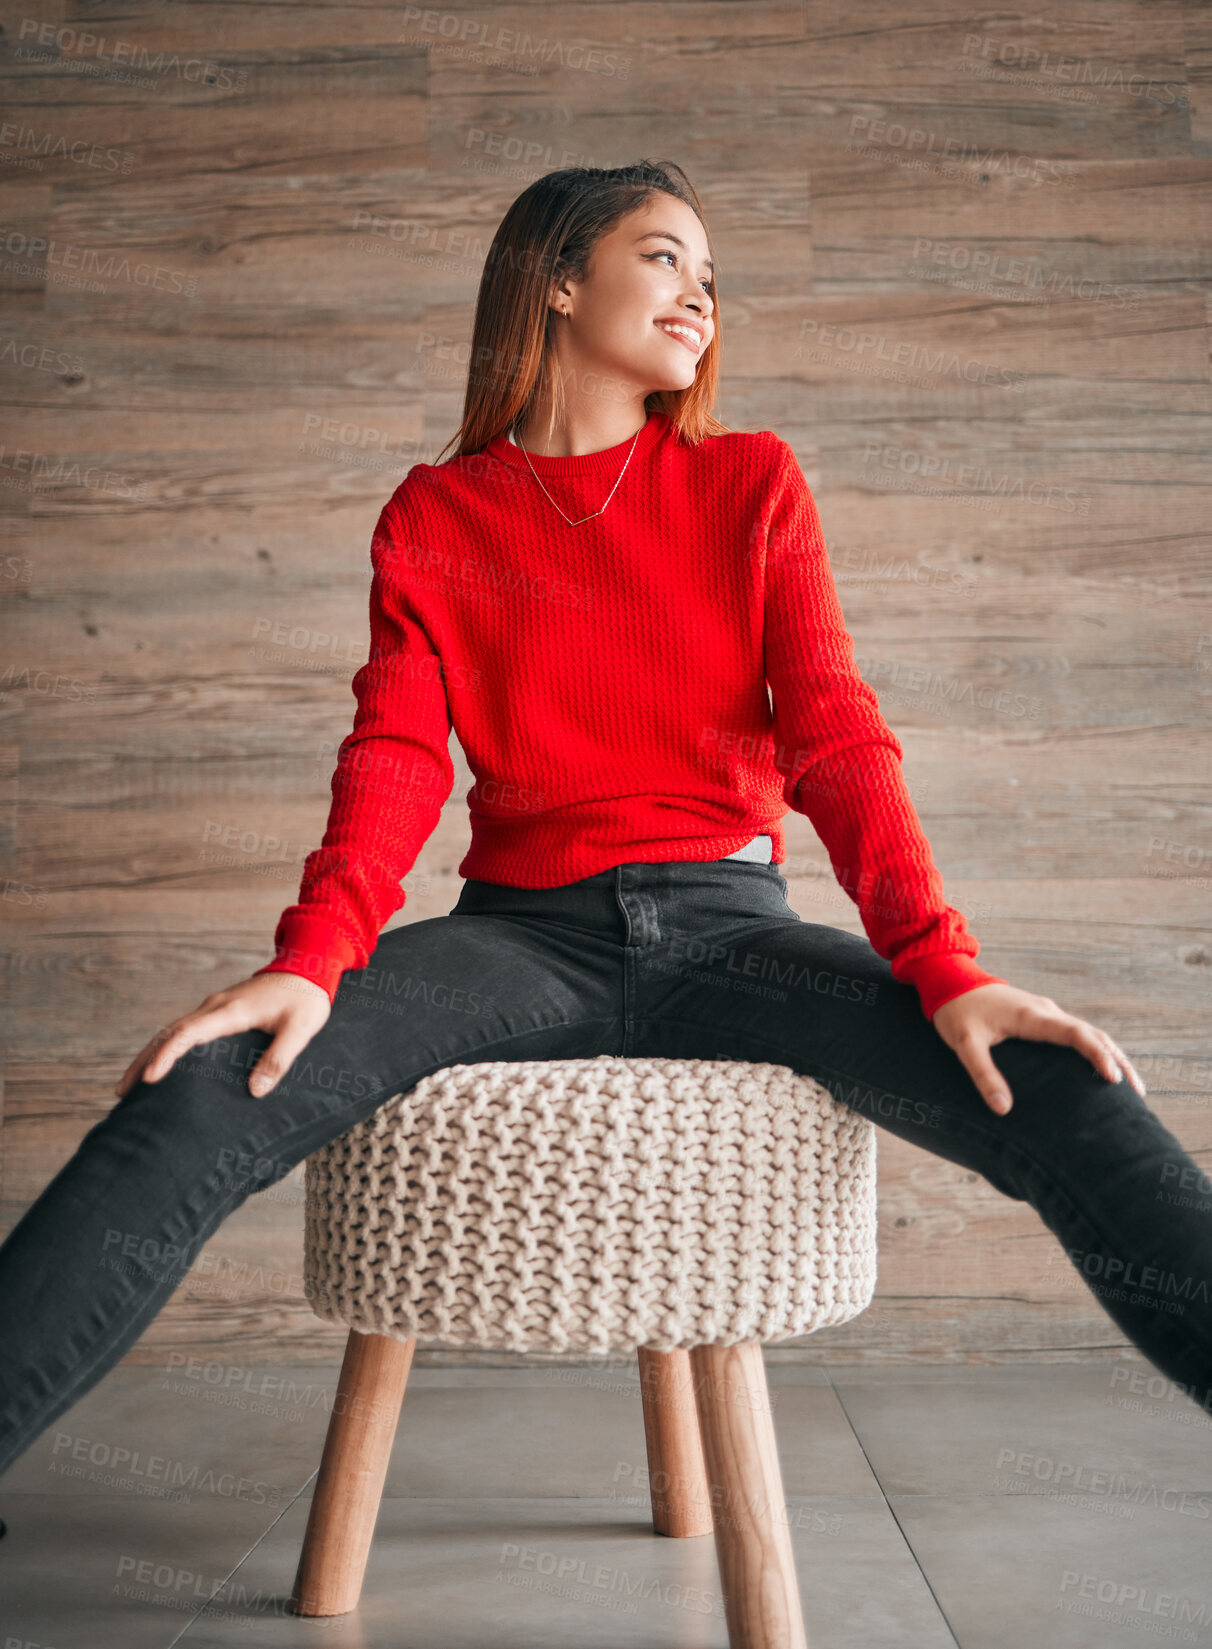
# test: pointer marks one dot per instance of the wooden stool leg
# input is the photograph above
(345, 1502)
(677, 1473)
(752, 1534)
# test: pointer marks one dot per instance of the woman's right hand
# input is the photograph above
(292, 1007)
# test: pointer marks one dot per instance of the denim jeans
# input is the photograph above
(685, 960)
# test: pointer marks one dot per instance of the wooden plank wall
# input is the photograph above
(964, 270)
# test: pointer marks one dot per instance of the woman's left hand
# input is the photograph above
(970, 1024)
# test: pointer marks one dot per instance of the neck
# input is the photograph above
(580, 431)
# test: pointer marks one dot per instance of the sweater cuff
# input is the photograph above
(939, 977)
(313, 948)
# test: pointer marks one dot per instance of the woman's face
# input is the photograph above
(651, 273)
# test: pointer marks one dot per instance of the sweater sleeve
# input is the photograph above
(841, 762)
(393, 774)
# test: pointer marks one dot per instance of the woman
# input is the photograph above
(595, 590)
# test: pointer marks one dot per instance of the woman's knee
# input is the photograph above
(1070, 1120)
(199, 1109)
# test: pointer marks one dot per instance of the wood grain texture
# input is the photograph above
(357, 1451)
(752, 1531)
(964, 270)
(677, 1477)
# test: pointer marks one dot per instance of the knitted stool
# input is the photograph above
(692, 1209)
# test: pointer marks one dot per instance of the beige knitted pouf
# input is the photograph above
(692, 1209)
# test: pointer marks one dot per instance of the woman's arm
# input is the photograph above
(842, 762)
(392, 776)
(843, 770)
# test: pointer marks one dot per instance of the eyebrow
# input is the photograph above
(664, 234)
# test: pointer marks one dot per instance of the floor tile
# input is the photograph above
(486, 1574)
(1029, 1569)
(148, 1424)
(570, 1440)
(114, 1571)
(1070, 1505)
(1056, 1429)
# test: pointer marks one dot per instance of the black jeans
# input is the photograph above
(700, 960)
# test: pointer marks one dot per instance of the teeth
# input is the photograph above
(680, 331)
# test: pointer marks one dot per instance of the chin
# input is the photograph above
(671, 381)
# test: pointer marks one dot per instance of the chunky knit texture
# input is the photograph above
(596, 1205)
(608, 685)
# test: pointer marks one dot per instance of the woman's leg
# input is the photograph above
(1090, 1156)
(92, 1261)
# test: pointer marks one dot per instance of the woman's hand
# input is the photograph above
(292, 1007)
(972, 1023)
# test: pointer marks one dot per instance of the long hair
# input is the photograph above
(548, 233)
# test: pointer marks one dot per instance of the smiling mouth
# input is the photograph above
(683, 335)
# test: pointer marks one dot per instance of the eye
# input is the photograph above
(667, 253)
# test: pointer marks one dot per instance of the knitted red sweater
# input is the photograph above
(608, 685)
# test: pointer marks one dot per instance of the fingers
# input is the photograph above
(128, 1076)
(971, 1027)
(270, 1002)
(991, 1084)
(279, 1057)
(1090, 1041)
(1103, 1052)
(167, 1046)
(1107, 1057)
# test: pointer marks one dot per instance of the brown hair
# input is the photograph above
(548, 232)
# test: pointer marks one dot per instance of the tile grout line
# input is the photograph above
(891, 1508)
(205, 1604)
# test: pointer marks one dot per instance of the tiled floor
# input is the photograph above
(1052, 1505)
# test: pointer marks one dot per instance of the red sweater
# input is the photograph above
(608, 685)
